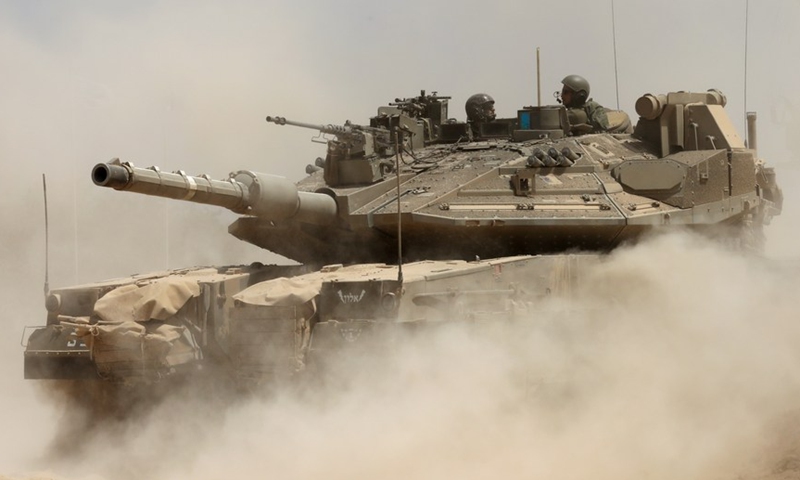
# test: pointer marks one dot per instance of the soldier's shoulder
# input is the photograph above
(592, 104)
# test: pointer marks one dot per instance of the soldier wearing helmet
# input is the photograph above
(480, 108)
(586, 115)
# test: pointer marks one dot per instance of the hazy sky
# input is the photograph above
(187, 84)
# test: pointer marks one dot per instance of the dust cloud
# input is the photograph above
(680, 360)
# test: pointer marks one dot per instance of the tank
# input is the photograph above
(410, 222)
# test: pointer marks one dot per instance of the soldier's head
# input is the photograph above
(575, 91)
(480, 108)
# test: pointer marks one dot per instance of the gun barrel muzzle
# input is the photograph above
(110, 175)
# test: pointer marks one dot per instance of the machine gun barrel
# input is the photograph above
(346, 130)
(328, 129)
(245, 192)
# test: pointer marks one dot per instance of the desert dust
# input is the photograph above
(679, 362)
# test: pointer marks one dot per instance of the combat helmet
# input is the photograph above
(580, 86)
(480, 108)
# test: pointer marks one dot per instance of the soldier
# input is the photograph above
(586, 115)
(480, 109)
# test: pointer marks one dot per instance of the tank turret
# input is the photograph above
(524, 185)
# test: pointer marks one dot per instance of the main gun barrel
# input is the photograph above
(245, 192)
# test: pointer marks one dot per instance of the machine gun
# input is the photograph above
(430, 110)
(358, 139)
(429, 106)
(358, 156)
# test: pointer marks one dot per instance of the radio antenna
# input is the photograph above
(399, 212)
(614, 36)
(46, 240)
(538, 81)
(746, 20)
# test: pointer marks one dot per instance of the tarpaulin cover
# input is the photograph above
(282, 291)
(126, 341)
